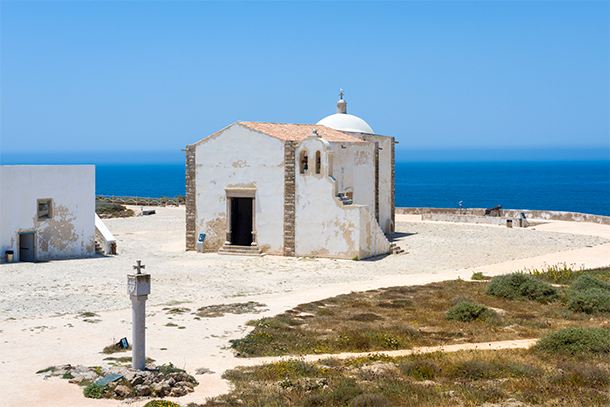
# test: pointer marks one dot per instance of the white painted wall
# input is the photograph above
(324, 227)
(354, 167)
(70, 233)
(372, 239)
(385, 177)
(239, 157)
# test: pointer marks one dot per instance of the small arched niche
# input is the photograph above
(303, 162)
(318, 162)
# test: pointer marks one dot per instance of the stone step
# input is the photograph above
(395, 249)
(98, 248)
(241, 250)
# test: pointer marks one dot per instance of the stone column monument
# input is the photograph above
(138, 288)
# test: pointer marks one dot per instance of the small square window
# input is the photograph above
(44, 209)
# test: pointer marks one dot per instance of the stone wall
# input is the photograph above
(289, 197)
(191, 194)
(512, 213)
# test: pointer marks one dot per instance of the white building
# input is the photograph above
(47, 211)
(324, 189)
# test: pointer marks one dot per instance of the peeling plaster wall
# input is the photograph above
(322, 226)
(238, 157)
(70, 233)
(372, 239)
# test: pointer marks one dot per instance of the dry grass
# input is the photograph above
(405, 317)
(467, 378)
(570, 368)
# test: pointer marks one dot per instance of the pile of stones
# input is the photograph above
(162, 381)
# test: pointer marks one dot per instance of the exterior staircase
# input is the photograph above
(395, 249)
(344, 198)
(240, 250)
(98, 248)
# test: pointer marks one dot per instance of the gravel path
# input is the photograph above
(97, 284)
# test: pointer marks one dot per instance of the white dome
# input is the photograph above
(346, 122)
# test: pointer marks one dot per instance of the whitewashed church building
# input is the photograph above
(323, 190)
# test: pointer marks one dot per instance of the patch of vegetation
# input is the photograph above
(48, 369)
(592, 300)
(161, 403)
(467, 378)
(478, 276)
(112, 210)
(95, 391)
(588, 281)
(67, 375)
(519, 286)
(169, 368)
(565, 274)
(574, 341)
(404, 317)
(213, 311)
(115, 348)
(467, 311)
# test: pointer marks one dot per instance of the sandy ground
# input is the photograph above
(40, 303)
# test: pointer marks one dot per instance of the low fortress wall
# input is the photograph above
(457, 215)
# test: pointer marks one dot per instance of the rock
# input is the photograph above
(161, 389)
(188, 385)
(122, 391)
(137, 380)
(178, 392)
(129, 375)
(203, 370)
(143, 390)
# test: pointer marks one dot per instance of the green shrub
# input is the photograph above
(588, 281)
(519, 286)
(575, 341)
(95, 391)
(161, 403)
(478, 275)
(589, 301)
(112, 209)
(169, 368)
(467, 311)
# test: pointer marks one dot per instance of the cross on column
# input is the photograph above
(139, 266)
(341, 94)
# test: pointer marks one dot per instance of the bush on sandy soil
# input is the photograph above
(112, 210)
(478, 275)
(467, 311)
(519, 286)
(95, 391)
(588, 281)
(589, 301)
(576, 341)
(161, 403)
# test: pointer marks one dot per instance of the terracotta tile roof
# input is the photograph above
(296, 132)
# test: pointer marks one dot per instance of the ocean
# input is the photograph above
(579, 186)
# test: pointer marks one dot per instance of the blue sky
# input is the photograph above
(116, 77)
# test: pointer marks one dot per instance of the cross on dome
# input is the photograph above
(341, 94)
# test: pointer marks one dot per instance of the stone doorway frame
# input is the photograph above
(240, 193)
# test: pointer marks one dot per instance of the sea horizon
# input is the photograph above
(572, 185)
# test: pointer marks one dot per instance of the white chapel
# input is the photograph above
(321, 190)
